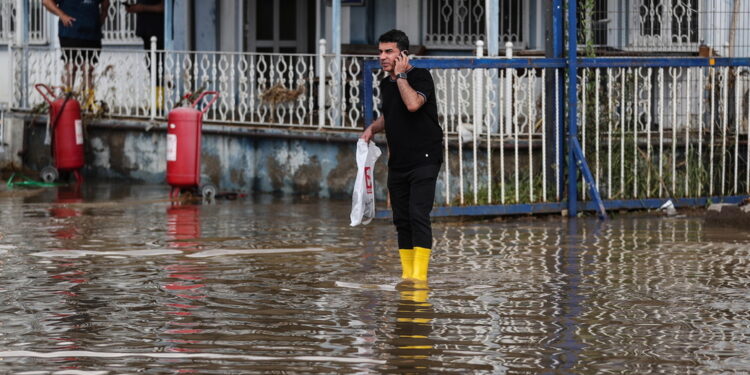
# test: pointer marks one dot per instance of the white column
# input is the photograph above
(509, 91)
(22, 23)
(336, 22)
(408, 19)
(321, 83)
(229, 26)
(154, 67)
(492, 17)
(318, 21)
(478, 116)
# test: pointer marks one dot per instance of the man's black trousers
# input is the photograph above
(412, 195)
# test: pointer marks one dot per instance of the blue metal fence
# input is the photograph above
(576, 158)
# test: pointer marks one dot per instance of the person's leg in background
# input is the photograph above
(91, 59)
(69, 60)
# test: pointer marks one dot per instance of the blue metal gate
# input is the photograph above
(638, 122)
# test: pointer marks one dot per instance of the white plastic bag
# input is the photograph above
(363, 196)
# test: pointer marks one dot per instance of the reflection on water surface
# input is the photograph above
(113, 279)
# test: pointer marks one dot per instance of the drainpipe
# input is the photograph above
(554, 88)
(336, 22)
(169, 25)
(733, 28)
(321, 83)
(152, 72)
(21, 40)
(478, 118)
(492, 20)
(22, 23)
(492, 16)
(336, 49)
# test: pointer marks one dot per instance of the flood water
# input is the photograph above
(113, 279)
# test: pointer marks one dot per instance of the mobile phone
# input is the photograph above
(405, 52)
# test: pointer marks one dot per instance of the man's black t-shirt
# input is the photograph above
(414, 138)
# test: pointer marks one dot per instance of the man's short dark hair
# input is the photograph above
(395, 36)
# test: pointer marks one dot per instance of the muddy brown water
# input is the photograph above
(111, 279)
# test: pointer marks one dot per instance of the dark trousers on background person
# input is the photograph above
(412, 196)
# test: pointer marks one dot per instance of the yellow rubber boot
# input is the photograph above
(421, 264)
(407, 263)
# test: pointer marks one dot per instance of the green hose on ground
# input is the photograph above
(28, 182)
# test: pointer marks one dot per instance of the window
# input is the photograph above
(460, 23)
(666, 23)
(593, 21)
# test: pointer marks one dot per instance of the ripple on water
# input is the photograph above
(281, 286)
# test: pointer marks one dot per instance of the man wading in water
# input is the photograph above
(415, 144)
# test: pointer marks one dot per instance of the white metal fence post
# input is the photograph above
(508, 91)
(477, 113)
(12, 87)
(20, 26)
(321, 83)
(153, 77)
(21, 41)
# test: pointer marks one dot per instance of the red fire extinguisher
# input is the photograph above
(184, 126)
(67, 134)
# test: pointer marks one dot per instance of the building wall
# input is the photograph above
(368, 22)
(241, 160)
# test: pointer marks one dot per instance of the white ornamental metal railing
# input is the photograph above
(305, 91)
(119, 85)
(666, 132)
(256, 89)
(119, 27)
(270, 89)
(497, 134)
(38, 21)
(499, 128)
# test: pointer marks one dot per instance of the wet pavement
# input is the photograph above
(114, 279)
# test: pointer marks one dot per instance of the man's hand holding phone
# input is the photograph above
(402, 62)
